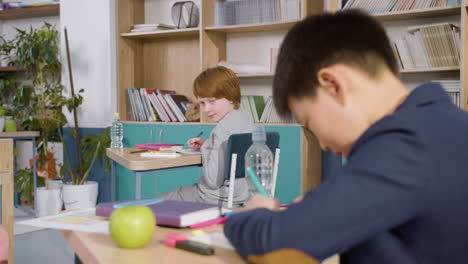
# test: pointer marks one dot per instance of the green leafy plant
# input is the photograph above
(24, 184)
(37, 50)
(93, 147)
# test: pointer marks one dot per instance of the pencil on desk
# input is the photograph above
(139, 151)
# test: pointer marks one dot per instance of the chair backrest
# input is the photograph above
(239, 143)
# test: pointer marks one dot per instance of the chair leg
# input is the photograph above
(275, 171)
(232, 179)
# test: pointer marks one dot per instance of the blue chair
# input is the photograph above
(235, 159)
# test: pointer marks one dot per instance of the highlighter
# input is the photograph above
(256, 182)
(175, 240)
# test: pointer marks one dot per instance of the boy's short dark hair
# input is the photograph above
(349, 37)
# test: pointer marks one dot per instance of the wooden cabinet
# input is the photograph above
(294, 175)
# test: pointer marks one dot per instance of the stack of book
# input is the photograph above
(452, 87)
(156, 105)
(11, 4)
(151, 27)
(429, 46)
(378, 6)
(262, 109)
(256, 11)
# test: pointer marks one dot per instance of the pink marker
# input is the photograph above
(216, 221)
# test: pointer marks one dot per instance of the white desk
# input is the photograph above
(141, 165)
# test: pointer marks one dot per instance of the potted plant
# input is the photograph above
(37, 51)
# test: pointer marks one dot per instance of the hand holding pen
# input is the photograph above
(196, 142)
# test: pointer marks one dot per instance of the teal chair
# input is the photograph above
(237, 146)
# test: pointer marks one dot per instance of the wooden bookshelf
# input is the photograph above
(281, 25)
(262, 75)
(419, 13)
(163, 33)
(428, 15)
(431, 70)
(29, 12)
(11, 69)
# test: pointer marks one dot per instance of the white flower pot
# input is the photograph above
(2, 123)
(80, 196)
(48, 201)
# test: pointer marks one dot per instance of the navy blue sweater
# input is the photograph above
(401, 198)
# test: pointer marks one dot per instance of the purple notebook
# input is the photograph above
(167, 212)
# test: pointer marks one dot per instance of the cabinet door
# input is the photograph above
(163, 181)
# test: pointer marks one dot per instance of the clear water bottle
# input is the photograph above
(116, 133)
(259, 160)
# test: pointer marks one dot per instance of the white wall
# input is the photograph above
(91, 34)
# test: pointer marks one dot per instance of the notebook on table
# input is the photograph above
(159, 146)
(167, 212)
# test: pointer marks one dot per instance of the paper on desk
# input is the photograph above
(160, 154)
(81, 220)
(189, 151)
(217, 239)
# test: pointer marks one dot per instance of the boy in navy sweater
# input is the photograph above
(402, 196)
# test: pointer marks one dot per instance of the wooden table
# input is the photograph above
(19, 135)
(6, 183)
(141, 165)
(99, 248)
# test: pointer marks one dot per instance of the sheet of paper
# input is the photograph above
(217, 239)
(189, 151)
(80, 220)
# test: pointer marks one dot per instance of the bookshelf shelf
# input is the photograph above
(419, 13)
(253, 27)
(28, 12)
(163, 33)
(11, 69)
(262, 75)
(442, 69)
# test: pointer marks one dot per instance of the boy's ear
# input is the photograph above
(331, 80)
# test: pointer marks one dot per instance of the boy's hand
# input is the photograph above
(259, 201)
(298, 199)
(196, 143)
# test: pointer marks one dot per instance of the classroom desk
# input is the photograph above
(19, 135)
(99, 248)
(141, 165)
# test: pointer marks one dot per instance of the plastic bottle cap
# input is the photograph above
(259, 134)
(117, 115)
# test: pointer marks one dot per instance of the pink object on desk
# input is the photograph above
(159, 146)
(216, 221)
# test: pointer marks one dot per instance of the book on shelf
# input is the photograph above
(156, 105)
(167, 212)
(452, 87)
(378, 7)
(261, 108)
(255, 11)
(429, 46)
(151, 27)
(159, 146)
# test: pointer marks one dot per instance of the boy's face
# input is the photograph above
(215, 108)
(331, 122)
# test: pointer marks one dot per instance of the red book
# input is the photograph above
(159, 146)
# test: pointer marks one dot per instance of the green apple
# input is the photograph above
(132, 226)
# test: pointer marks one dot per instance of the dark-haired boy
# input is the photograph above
(402, 197)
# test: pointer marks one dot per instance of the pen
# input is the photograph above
(256, 182)
(138, 151)
(199, 134)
